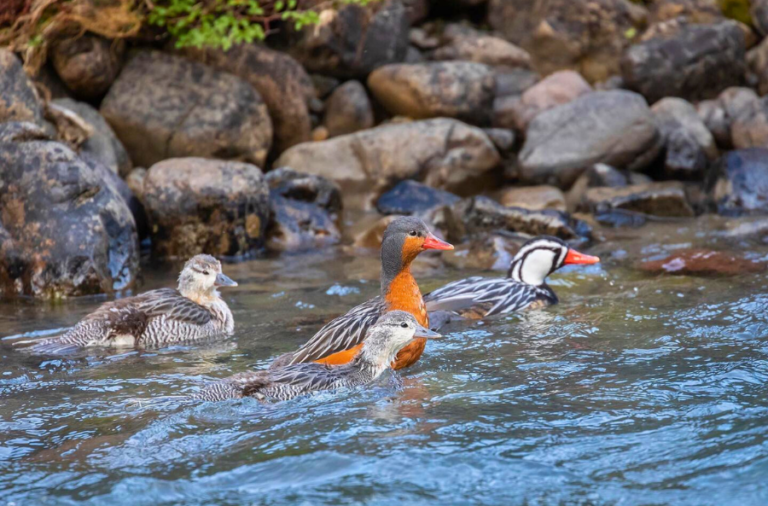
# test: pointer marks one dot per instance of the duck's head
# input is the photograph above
(201, 276)
(403, 240)
(391, 333)
(541, 256)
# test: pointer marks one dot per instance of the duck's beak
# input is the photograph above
(426, 333)
(432, 242)
(224, 280)
(574, 257)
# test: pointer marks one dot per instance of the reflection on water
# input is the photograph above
(634, 390)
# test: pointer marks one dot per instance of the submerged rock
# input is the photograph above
(656, 199)
(410, 197)
(88, 64)
(702, 262)
(740, 182)
(18, 100)
(348, 110)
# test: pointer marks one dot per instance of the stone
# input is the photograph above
(163, 106)
(599, 175)
(411, 197)
(695, 11)
(689, 147)
(588, 37)
(316, 190)
(281, 81)
(757, 60)
(489, 252)
(703, 263)
(420, 39)
(353, 40)
(612, 127)
(370, 237)
(748, 117)
(22, 131)
(18, 100)
(444, 153)
(712, 113)
(88, 64)
(513, 82)
(534, 198)
(502, 138)
(102, 144)
(480, 48)
(416, 10)
(759, 13)
(324, 85)
(666, 199)
(348, 110)
(197, 205)
(697, 63)
(461, 90)
(556, 89)
(65, 229)
(740, 182)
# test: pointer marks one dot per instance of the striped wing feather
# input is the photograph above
(169, 302)
(489, 296)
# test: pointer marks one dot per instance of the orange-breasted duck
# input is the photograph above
(341, 339)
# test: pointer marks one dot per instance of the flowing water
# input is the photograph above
(636, 389)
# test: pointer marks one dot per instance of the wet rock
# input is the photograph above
(535, 198)
(446, 153)
(354, 40)
(316, 190)
(164, 106)
(612, 127)
(348, 110)
(741, 182)
(88, 65)
(702, 262)
(65, 229)
(697, 63)
(470, 45)
(197, 205)
(410, 197)
(656, 199)
(689, 145)
(461, 90)
(18, 100)
(566, 34)
(102, 144)
(556, 89)
(280, 80)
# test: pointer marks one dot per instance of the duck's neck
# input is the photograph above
(204, 298)
(401, 292)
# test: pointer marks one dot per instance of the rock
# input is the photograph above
(297, 225)
(103, 145)
(712, 113)
(759, 12)
(513, 82)
(88, 64)
(66, 230)
(354, 40)
(316, 190)
(599, 175)
(480, 48)
(612, 127)
(320, 134)
(689, 145)
(348, 110)
(588, 37)
(489, 252)
(413, 55)
(741, 182)
(697, 63)
(420, 39)
(22, 131)
(757, 60)
(162, 106)
(702, 262)
(748, 117)
(280, 80)
(502, 138)
(461, 90)
(656, 199)
(697, 11)
(556, 89)
(534, 198)
(416, 10)
(445, 153)
(18, 100)
(324, 85)
(197, 205)
(410, 197)
(370, 237)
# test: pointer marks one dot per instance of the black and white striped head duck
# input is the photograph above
(541, 256)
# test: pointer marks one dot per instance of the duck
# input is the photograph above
(524, 288)
(193, 311)
(383, 340)
(339, 341)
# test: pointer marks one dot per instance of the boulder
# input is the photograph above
(461, 90)
(656, 199)
(689, 145)
(470, 45)
(502, 138)
(599, 175)
(696, 63)
(197, 205)
(164, 106)
(612, 127)
(534, 198)
(445, 153)
(487, 252)
(281, 81)
(513, 82)
(703, 263)
(354, 40)
(712, 113)
(88, 64)
(695, 11)
(102, 144)
(348, 110)
(18, 100)
(66, 230)
(740, 182)
(588, 37)
(316, 190)
(757, 60)
(410, 197)
(759, 12)
(748, 117)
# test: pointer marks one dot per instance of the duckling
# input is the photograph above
(390, 334)
(159, 317)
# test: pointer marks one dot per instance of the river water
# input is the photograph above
(636, 389)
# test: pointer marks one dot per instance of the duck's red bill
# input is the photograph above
(574, 257)
(432, 242)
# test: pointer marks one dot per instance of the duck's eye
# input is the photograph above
(413, 233)
(205, 273)
(404, 325)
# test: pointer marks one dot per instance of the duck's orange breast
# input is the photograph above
(404, 295)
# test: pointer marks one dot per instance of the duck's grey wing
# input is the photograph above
(479, 297)
(307, 377)
(234, 387)
(174, 306)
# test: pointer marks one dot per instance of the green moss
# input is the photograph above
(736, 9)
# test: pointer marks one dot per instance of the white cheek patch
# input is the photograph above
(536, 266)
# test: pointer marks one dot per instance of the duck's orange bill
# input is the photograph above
(574, 257)
(432, 242)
